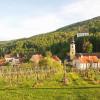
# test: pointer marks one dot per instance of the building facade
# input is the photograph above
(72, 49)
(84, 62)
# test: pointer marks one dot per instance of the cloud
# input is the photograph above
(81, 10)
(12, 27)
(41, 23)
(26, 27)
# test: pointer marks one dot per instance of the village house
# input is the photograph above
(82, 34)
(83, 60)
(56, 58)
(2, 62)
(13, 60)
(8, 57)
(36, 58)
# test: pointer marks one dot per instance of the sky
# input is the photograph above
(25, 18)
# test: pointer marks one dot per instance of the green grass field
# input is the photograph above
(52, 88)
(50, 94)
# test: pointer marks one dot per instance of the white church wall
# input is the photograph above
(82, 34)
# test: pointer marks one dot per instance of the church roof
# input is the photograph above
(88, 59)
(88, 54)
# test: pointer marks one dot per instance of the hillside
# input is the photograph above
(57, 42)
(87, 25)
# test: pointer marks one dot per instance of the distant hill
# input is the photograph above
(84, 26)
(57, 42)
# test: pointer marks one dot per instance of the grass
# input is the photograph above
(50, 94)
(51, 89)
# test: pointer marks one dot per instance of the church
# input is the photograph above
(83, 61)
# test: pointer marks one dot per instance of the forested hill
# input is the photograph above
(57, 42)
(88, 25)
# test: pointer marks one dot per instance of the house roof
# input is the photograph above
(2, 62)
(88, 59)
(88, 54)
(8, 55)
(36, 58)
(56, 58)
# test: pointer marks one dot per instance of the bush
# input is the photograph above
(49, 63)
(27, 65)
(91, 74)
(74, 76)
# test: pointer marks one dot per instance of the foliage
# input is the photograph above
(57, 42)
(50, 63)
(91, 74)
(48, 54)
(50, 94)
(49, 88)
(88, 44)
(73, 76)
(27, 65)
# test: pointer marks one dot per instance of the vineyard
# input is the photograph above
(19, 76)
(18, 82)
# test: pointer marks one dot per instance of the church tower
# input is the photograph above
(72, 49)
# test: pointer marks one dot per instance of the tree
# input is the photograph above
(50, 63)
(48, 54)
(87, 46)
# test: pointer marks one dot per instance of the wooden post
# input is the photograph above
(65, 80)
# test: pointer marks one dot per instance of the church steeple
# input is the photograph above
(72, 49)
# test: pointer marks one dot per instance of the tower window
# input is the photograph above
(72, 46)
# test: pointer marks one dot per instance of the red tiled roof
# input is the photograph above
(88, 59)
(2, 62)
(56, 58)
(88, 54)
(36, 58)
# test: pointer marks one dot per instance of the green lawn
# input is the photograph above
(50, 94)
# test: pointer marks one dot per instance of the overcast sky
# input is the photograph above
(24, 18)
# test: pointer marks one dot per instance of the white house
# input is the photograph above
(82, 34)
(8, 58)
(13, 60)
(84, 62)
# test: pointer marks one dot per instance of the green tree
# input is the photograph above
(87, 46)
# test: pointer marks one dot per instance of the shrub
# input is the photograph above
(73, 76)
(91, 74)
(49, 63)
